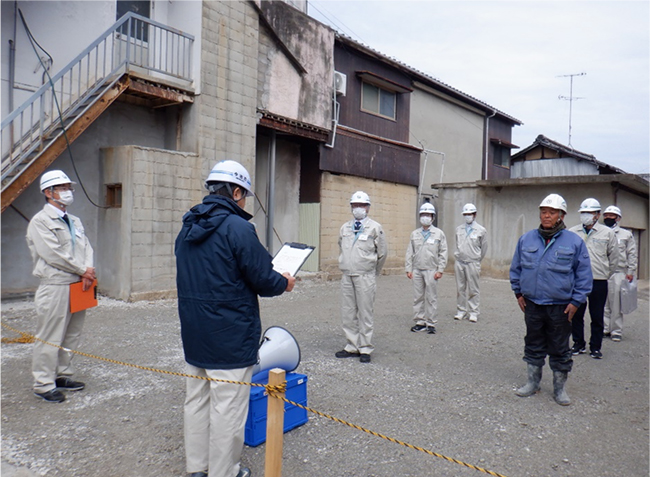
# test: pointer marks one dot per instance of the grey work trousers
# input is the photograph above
(425, 297)
(357, 309)
(55, 324)
(215, 420)
(467, 288)
(613, 318)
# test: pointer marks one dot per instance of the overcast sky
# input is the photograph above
(510, 54)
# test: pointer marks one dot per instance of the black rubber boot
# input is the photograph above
(532, 386)
(559, 381)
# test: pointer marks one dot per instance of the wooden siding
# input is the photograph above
(348, 62)
(374, 159)
(498, 129)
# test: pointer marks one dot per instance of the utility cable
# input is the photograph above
(34, 44)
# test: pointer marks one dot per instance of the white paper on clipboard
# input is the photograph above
(291, 257)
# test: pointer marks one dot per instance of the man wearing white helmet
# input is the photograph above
(62, 255)
(426, 258)
(471, 247)
(551, 277)
(625, 270)
(603, 252)
(363, 251)
(222, 268)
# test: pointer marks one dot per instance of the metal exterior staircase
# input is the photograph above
(38, 131)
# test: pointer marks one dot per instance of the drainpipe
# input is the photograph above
(270, 199)
(487, 138)
(336, 108)
(424, 169)
(12, 63)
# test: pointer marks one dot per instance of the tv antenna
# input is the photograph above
(570, 98)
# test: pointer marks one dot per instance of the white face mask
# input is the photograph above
(359, 213)
(66, 197)
(469, 219)
(425, 220)
(587, 219)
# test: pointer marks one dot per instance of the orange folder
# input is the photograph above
(82, 300)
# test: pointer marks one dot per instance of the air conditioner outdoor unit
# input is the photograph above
(340, 82)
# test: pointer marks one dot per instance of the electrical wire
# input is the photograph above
(34, 44)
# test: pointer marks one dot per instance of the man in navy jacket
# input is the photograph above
(551, 277)
(222, 268)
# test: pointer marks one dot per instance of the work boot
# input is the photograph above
(559, 380)
(532, 386)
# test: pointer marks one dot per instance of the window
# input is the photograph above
(376, 100)
(114, 195)
(502, 156)
(139, 30)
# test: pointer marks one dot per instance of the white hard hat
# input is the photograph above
(590, 205)
(232, 172)
(360, 197)
(554, 201)
(469, 209)
(427, 208)
(612, 209)
(54, 178)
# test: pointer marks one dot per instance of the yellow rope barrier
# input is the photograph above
(273, 391)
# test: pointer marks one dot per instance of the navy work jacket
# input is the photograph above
(221, 268)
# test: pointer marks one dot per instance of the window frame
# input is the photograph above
(379, 96)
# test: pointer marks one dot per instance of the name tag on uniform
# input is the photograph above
(363, 237)
(79, 233)
(431, 240)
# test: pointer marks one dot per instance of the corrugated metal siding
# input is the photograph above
(309, 233)
(552, 168)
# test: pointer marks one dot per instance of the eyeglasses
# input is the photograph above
(64, 188)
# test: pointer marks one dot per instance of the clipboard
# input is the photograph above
(291, 257)
(82, 300)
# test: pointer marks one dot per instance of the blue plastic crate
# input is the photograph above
(255, 433)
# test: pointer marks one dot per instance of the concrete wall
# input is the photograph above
(392, 206)
(227, 106)
(285, 90)
(287, 187)
(121, 124)
(444, 126)
(508, 212)
(136, 241)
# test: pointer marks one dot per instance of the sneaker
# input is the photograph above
(576, 350)
(607, 333)
(53, 395)
(616, 338)
(365, 358)
(458, 317)
(596, 354)
(473, 318)
(417, 328)
(244, 472)
(68, 384)
(431, 330)
(346, 354)
(198, 474)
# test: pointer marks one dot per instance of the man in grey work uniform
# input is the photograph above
(471, 247)
(625, 270)
(603, 253)
(62, 255)
(363, 251)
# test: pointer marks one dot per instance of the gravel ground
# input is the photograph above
(451, 393)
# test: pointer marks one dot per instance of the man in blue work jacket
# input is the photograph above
(551, 277)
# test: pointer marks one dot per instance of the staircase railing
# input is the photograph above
(134, 43)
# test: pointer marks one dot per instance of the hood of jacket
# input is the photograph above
(204, 219)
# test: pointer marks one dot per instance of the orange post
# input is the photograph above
(274, 427)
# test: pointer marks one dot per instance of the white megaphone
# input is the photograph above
(279, 349)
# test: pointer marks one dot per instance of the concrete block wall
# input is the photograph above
(227, 124)
(158, 188)
(394, 206)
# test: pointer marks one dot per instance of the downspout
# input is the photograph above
(424, 169)
(270, 200)
(336, 107)
(12, 63)
(487, 136)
